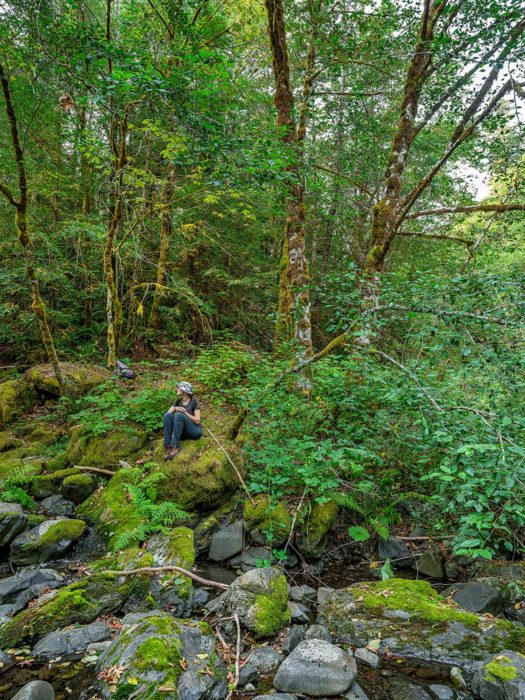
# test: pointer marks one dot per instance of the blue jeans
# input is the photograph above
(179, 427)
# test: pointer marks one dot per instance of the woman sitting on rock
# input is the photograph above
(182, 421)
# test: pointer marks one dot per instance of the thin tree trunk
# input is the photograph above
(165, 235)
(22, 229)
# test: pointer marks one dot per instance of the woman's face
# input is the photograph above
(179, 391)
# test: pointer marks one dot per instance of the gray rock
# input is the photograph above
(299, 613)
(249, 688)
(252, 557)
(442, 692)
(6, 610)
(258, 581)
(77, 489)
(476, 596)
(400, 689)
(176, 638)
(227, 542)
(395, 550)
(30, 594)
(57, 505)
(300, 593)
(452, 571)
(367, 657)
(318, 632)
(13, 586)
(36, 690)
(456, 676)
(397, 614)
(71, 643)
(490, 686)
(261, 662)
(6, 662)
(12, 522)
(317, 668)
(46, 541)
(430, 564)
(276, 696)
(96, 648)
(355, 692)
(322, 594)
(294, 637)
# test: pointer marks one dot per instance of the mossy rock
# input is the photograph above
(109, 509)
(56, 463)
(414, 621)
(219, 518)
(47, 484)
(43, 433)
(200, 478)
(46, 541)
(12, 522)
(78, 487)
(79, 379)
(260, 599)
(105, 450)
(267, 522)
(79, 603)
(163, 657)
(15, 398)
(8, 441)
(176, 548)
(316, 522)
(18, 459)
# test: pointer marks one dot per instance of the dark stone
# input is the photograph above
(501, 677)
(13, 586)
(294, 637)
(276, 696)
(57, 505)
(228, 542)
(395, 550)
(442, 692)
(261, 662)
(71, 643)
(367, 657)
(36, 545)
(299, 613)
(400, 689)
(12, 522)
(476, 596)
(6, 662)
(430, 564)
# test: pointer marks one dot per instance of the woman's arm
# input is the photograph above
(172, 409)
(196, 418)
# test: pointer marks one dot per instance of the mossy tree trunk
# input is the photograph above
(22, 229)
(293, 310)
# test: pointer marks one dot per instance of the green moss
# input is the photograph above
(79, 378)
(33, 520)
(500, 670)
(132, 558)
(159, 654)
(415, 597)
(272, 612)
(78, 487)
(315, 526)
(110, 511)
(48, 484)
(57, 462)
(7, 441)
(15, 398)
(78, 603)
(105, 450)
(265, 518)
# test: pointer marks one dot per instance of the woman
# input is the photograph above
(182, 421)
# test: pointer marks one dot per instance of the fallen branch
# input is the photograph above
(153, 570)
(237, 657)
(96, 470)
(239, 475)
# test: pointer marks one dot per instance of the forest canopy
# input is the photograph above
(319, 205)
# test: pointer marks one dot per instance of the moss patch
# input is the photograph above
(501, 669)
(105, 450)
(109, 509)
(315, 525)
(15, 398)
(267, 522)
(79, 378)
(48, 484)
(271, 609)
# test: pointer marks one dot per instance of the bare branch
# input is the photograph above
(153, 570)
(494, 208)
(438, 236)
(359, 186)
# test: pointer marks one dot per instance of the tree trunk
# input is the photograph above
(164, 248)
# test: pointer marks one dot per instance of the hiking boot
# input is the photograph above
(167, 450)
(173, 452)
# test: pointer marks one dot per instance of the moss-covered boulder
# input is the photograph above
(79, 379)
(78, 487)
(46, 541)
(409, 620)
(105, 450)
(162, 657)
(200, 478)
(260, 599)
(267, 522)
(81, 602)
(177, 548)
(16, 396)
(8, 441)
(316, 521)
(47, 484)
(110, 509)
(217, 519)
(13, 521)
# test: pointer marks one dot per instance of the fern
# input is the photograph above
(15, 494)
(20, 476)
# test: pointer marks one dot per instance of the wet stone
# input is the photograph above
(301, 593)
(367, 657)
(6, 661)
(322, 594)
(228, 542)
(395, 550)
(400, 689)
(295, 636)
(261, 662)
(430, 564)
(57, 505)
(13, 586)
(442, 692)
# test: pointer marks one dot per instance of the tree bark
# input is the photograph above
(165, 235)
(22, 229)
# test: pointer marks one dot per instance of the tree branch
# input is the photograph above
(153, 570)
(441, 237)
(8, 195)
(495, 208)
(360, 187)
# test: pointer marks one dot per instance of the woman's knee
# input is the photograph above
(166, 418)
